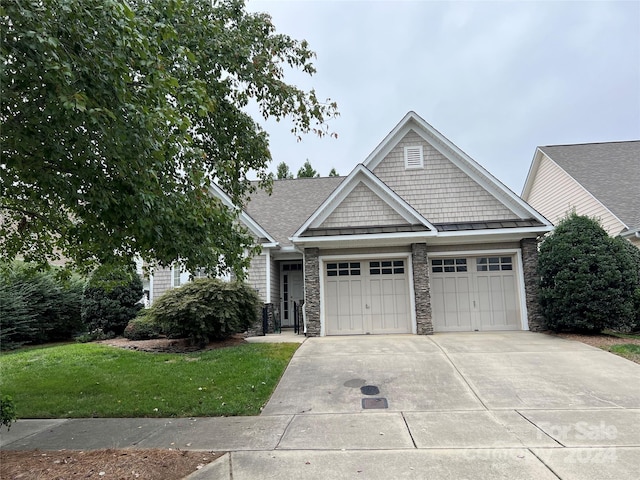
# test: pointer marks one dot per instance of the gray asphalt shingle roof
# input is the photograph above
(290, 205)
(609, 171)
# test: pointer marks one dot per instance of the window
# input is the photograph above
(494, 264)
(413, 157)
(448, 265)
(343, 269)
(386, 267)
(292, 267)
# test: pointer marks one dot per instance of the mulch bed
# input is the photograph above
(171, 345)
(151, 464)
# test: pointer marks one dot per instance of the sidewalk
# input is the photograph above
(366, 445)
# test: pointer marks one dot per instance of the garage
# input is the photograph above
(478, 293)
(368, 296)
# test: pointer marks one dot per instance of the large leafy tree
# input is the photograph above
(117, 115)
(587, 280)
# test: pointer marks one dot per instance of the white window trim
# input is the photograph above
(412, 151)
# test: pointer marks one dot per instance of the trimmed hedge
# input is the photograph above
(206, 310)
(588, 279)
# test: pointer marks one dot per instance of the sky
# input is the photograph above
(497, 78)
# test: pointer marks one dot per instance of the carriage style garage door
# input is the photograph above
(366, 296)
(474, 293)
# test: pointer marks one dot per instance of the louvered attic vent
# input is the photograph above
(413, 157)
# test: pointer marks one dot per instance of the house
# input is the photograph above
(600, 180)
(417, 238)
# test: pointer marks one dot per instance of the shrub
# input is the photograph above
(16, 318)
(634, 254)
(587, 279)
(7, 411)
(206, 310)
(37, 306)
(142, 328)
(111, 298)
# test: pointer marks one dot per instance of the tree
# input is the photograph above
(587, 278)
(283, 171)
(117, 116)
(111, 299)
(333, 173)
(307, 171)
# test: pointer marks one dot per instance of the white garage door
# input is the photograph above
(366, 296)
(474, 293)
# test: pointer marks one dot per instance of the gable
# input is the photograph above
(450, 188)
(363, 208)
(555, 194)
(440, 191)
(349, 201)
(609, 171)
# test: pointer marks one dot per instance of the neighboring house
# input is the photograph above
(416, 239)
(600, 180)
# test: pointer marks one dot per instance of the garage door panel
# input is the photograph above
(450, 303)
(375, 300)
(475, 293)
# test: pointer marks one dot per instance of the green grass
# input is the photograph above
(90, 380)
(628, 351)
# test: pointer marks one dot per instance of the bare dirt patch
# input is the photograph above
(599, 341)
(151, 464)
(171, 345)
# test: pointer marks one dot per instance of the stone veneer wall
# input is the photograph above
(312, 290)
(529, 248)
(421, 289)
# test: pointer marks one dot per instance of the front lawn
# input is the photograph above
(90, 380)
(628, 351)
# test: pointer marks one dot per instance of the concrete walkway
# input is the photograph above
(476, 405)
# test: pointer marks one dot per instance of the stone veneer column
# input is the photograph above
(312, 290)
(421, 288)
(529, 248)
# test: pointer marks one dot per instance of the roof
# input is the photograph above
(609, 171)
(290, 204)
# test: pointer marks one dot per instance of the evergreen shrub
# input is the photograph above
(206, 310)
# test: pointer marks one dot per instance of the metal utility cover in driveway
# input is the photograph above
(374, 403)
(369, 390)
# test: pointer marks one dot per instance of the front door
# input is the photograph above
(292, 291)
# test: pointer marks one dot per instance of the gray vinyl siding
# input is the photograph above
(363, 208)
(441, 192)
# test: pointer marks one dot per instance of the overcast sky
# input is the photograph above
(496, 78)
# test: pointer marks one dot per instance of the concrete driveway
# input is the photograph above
(475, 405)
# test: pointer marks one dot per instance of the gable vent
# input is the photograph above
(413, 157)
